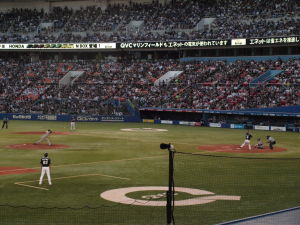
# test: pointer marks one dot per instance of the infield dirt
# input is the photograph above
(237, 149)
(30, 146)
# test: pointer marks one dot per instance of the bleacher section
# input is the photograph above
(210, 85)
(159, 21)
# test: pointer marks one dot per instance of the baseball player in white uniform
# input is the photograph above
(271, 142)
(45, 137)
(248, 137)
(45, 164)
(72, 124)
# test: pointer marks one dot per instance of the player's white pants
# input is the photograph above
(246, 142)
(47, 171)
(43, 139)
(72, 126)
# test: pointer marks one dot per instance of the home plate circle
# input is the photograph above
(119, 196)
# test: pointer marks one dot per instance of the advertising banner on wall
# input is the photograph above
(57, 46)
(148, 121)
(79, 118)
(166, 121)
(21, 117)
(88, 118)
(258, 127)
(215, 125)
(276, 128)
(188, 123)
(237, 126)
(112, 118)
(46, 117)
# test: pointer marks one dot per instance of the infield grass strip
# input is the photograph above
(87, 163)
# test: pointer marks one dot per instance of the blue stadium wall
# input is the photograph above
(272, 119)
(291, 112)
(66, 118)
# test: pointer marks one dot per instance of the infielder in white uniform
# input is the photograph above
(72, 124)
(45, 164)
(248, 137)
(45, 137)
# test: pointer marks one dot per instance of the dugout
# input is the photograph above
(289, 120)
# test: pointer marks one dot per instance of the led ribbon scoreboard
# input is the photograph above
(249, 42)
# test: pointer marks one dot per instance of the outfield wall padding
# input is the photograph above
(67, 118)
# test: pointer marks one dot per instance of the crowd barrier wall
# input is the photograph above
(289, 111)
(103, 118)
(283, 109)
(67, 118)
(224, 125)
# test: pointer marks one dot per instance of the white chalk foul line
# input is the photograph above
(60, 178)
(26, 185)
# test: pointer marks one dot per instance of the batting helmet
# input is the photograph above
(46, 154)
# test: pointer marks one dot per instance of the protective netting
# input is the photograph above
(233, 187)
(112, 215)
(208, 190)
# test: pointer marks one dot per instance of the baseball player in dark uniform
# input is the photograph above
(45, 164)
(271, 142)
(5, 123)
(248, 137)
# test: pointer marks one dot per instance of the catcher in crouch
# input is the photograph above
(45, 137)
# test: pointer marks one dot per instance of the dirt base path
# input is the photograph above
(43, 132)
(7, 170)
(30, 146)
(237, 149)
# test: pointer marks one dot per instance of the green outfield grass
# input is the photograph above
(101, 157)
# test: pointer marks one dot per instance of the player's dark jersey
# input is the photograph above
(248, 137)
(45, 161)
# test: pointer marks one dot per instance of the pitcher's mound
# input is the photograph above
(30, 146)
(237, 149)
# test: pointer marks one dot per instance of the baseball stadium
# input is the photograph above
(149, 112)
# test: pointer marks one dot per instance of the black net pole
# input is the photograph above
(170, 192)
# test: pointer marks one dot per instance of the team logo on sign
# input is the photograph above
(201, 196)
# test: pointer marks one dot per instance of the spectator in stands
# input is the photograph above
(175, 20)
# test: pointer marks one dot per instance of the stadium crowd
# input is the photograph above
(176, 20)
(109, 87)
